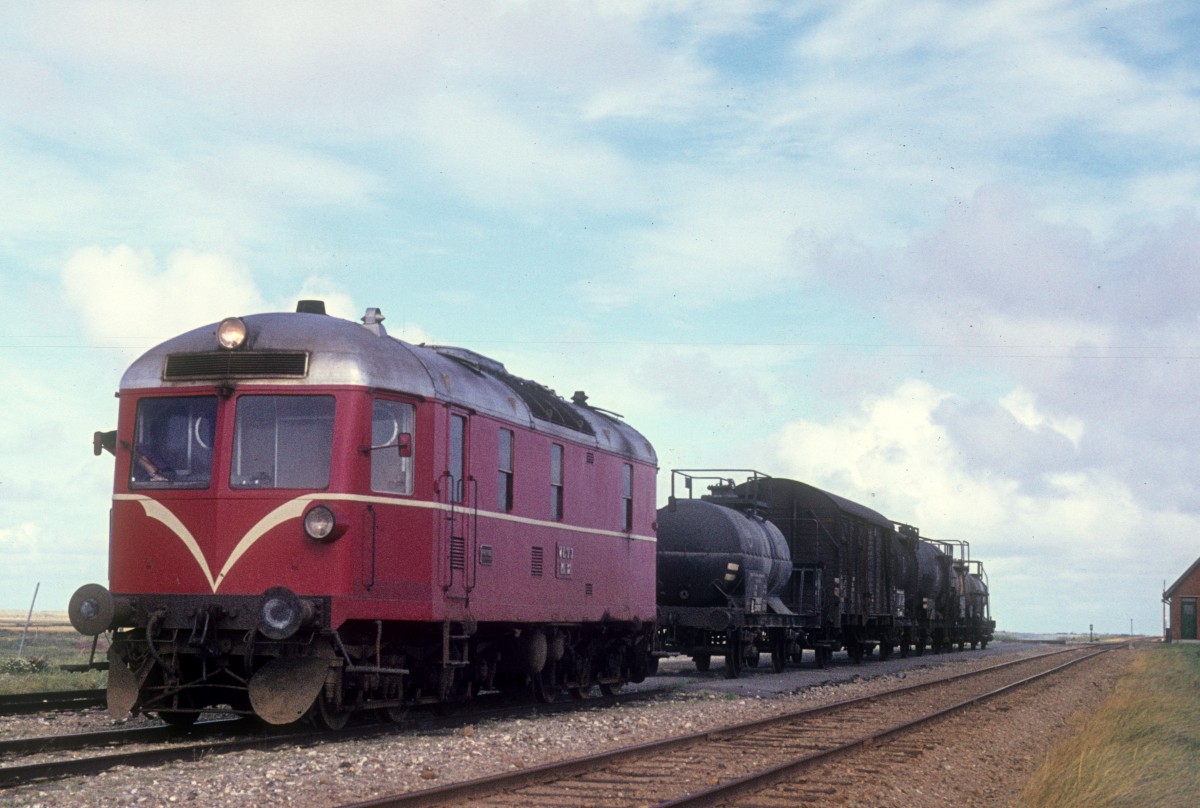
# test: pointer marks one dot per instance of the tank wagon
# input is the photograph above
(311, 517)
(722, 573)
(856, 580)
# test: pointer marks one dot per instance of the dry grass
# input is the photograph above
(50, 642)
(1140, 748)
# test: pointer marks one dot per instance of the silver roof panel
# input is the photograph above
(341, 352)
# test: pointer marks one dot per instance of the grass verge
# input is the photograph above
(1140, 748)
(49, 643)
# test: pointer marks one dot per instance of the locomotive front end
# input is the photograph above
(226, 527)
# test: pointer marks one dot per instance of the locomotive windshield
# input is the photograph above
(282, 442)
(173, 442)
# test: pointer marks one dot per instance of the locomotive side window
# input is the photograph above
(556, 481)
(627, 497)
(391, 447)
(173, 442)
(458, 452)
(505, 480)
(282, 442)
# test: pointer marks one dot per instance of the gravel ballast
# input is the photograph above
(982, 759)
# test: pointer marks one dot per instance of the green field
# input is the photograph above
(1141, 746)
(49, 643)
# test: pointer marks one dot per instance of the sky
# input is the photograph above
(941, 258)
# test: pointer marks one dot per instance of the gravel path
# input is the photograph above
(969, 762)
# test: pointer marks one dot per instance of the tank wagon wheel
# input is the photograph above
(734, 652)
(779, 652)
(610, 689)
(703, 662)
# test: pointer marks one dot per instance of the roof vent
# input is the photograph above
(373, 322)
(310, 307)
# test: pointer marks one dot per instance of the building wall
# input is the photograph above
(1189, 588)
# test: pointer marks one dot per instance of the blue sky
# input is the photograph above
(942, 258)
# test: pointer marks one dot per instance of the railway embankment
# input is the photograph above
(1139, 747)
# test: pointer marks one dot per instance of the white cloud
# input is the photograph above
(125, 298)
(1022, 404)
(894, 455)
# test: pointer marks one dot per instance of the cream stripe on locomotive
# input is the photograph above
(294, 509)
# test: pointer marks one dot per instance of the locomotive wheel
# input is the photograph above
(177, 719)
(545, 689)
(703, 662)
(327, 715)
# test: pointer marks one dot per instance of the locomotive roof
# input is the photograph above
(318, 349)
(822, 503)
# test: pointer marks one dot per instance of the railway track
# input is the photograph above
(172, 744)
(714, 767)
(18, 703)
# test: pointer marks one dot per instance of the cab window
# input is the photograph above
(282, 442)
(173, 442)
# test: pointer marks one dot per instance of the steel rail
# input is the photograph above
(264, 739)
(16, 703)
(55, 769)
(757, 781)
(492, 785)
(111, 737)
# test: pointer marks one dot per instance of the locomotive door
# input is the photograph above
(458, 491)
(394, 565)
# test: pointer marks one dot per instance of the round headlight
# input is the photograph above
(320, 523)
(231, 333)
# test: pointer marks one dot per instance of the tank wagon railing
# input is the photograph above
(717, 476)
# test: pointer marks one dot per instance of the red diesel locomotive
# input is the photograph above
(312, 517)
